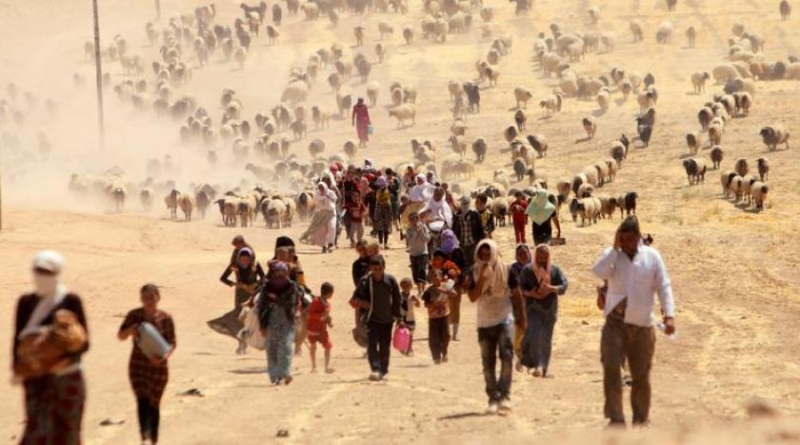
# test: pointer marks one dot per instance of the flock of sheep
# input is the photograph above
(263, 147)
(746, 66)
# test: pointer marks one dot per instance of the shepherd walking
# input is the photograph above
(361, 122)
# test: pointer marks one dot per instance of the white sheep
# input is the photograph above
(699, 79)
(522, 96)
(552, 104)
(603, 99)
(240, 55)
(759, 191)
(373, 88)
(404, 113)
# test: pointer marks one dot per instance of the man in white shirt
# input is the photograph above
(635, 272)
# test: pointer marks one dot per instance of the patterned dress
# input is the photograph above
(53, 403)
(278, 314)
(383, 211)
(149, 380)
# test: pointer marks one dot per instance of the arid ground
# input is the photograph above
(734, 271)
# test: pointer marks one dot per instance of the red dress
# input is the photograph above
(361, 116)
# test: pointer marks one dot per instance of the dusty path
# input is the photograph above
(734, 272)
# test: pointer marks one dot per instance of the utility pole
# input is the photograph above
(99, 80)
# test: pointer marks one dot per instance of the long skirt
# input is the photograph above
(362, 128)
(410, 208)
(383, 218)
(322, 230)
(230, 323)
(537, 345)
(279, 346)
(54, 409)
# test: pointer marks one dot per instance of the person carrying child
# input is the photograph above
(436, 299)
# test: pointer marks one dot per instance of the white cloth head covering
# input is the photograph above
(439, 210)
(49, 260)
(52, 262)
(325, 200)
(497, 272)
(421, 193)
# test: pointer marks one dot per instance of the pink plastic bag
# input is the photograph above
(402, 339)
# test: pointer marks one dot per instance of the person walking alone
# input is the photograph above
(635, 272)
(148, 376)
(361, 122)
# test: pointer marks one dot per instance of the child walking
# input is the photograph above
(417, 238)
(518, 216)
(436, 301)
(319, 320)
(408, 303)
(357, 211)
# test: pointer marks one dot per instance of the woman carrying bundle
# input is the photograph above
(148, 374)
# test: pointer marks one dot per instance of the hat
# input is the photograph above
(49, 261)
(238, 239)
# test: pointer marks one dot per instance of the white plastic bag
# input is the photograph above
(252, 330)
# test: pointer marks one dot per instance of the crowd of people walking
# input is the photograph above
(451, 252)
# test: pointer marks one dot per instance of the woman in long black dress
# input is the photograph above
(249, 276)
(148, 376)
(542, 283)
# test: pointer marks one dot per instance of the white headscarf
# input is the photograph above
(325, 199)
(440, 210)
(52, 262)
(496, 278)
(421, 193)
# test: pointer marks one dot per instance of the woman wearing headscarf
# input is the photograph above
(418, 197)
(249, 275)
(450, 251)
(382, 220)
(296, 273)
(361, 121)
(523, 259)
(438, 209)
(542, 213)
(148, 376)
(542, 283)
(394, 186)
(49, 339)
(278, 311)
(322, 230)
(496, 293)
(285, 253)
